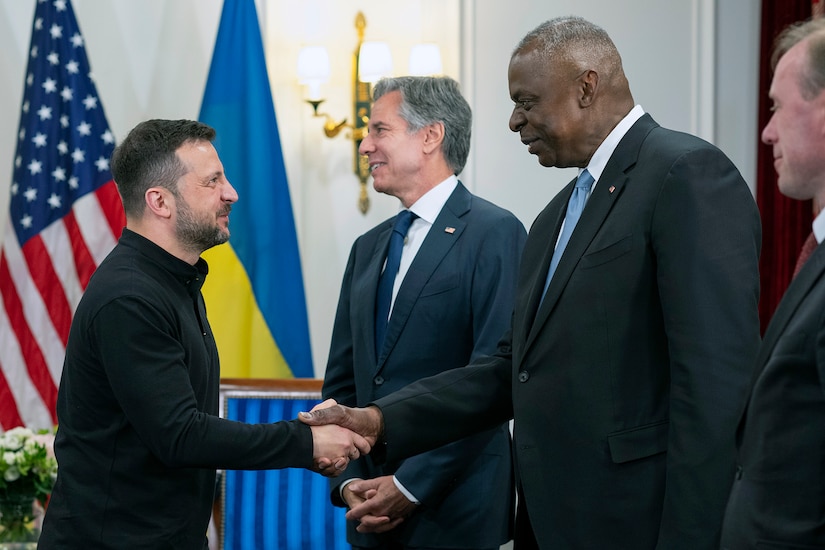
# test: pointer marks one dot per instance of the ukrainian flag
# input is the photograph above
(255, 292)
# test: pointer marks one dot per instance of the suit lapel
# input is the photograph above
(436, 245)
(555, 222)
(793, 298)
(799, 288)
(365, 292)
(609, 188)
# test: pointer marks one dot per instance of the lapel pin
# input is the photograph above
(612, 188)
(449, 230)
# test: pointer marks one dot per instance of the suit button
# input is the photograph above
(523, 376)
(378, 380)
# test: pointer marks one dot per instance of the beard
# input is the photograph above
(197, 233)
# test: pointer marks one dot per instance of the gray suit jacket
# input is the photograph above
(453, 306)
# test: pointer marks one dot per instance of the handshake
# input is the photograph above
(341, 434)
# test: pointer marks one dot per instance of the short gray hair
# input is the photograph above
(573, 39)
(429, 99)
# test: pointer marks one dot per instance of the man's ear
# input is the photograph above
(159, 201)
(588, 85)
(433, 136)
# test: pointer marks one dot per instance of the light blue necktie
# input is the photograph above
(574, 211)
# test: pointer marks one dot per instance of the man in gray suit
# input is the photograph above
(779, 490)
(448, 298)
(631, 347)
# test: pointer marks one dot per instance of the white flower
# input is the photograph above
(12, 442)
(27, 465)
(11, 474)
(14, 438)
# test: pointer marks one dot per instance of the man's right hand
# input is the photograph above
(368, 422)
(334, 447)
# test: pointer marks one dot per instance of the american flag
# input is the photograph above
(65, 216)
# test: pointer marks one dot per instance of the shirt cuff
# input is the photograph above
(405, 492)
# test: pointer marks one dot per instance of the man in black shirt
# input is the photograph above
(139, 439)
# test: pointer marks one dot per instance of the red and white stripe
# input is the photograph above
(40, 287)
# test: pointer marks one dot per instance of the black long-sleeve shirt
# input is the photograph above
(139, 441)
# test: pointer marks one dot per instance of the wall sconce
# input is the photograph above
(371, 61)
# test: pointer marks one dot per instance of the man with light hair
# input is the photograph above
(778, 495)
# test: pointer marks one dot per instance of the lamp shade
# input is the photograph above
(313, 69)
(313, 64)
(425, 60)
(374, 61)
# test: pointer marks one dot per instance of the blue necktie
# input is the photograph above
(574, 211)
(387, 279)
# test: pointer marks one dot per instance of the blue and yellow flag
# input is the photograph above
(255, 290)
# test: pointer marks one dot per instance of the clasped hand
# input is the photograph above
(376, 504)
(334, 446)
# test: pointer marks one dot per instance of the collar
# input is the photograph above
(819, 226)
(191, 276)
(599, 159)
(429, 205)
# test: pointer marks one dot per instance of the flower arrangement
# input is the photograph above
(28, 471)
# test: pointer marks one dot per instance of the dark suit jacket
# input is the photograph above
(626, 383)
(778, 495)
(453, 306)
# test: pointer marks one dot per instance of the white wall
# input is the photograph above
(151, 58)
(736, 101)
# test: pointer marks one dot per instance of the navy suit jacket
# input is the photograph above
(453, 306)
(778, 495)
(626, 383)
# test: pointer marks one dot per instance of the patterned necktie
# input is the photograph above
(574, 211)
(387, 279)
(808, 248)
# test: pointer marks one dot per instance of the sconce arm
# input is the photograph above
(332, 128)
